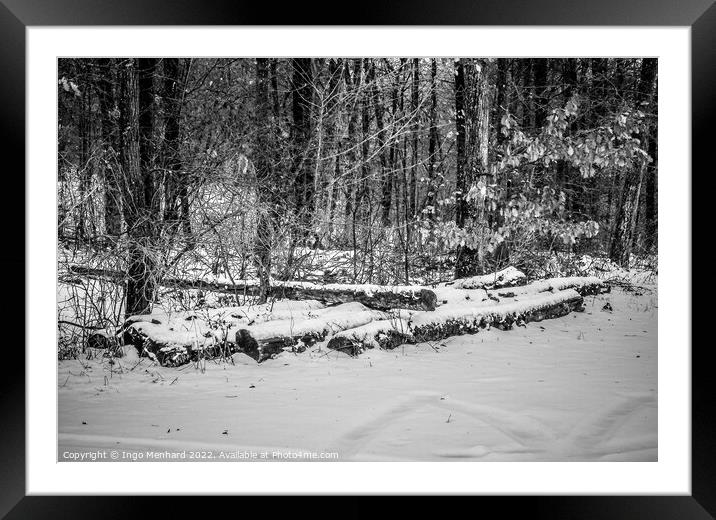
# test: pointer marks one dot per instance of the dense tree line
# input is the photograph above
(413, 164)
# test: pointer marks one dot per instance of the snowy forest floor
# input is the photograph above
(582, 387)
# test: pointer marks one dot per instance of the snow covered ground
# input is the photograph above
(582, 387)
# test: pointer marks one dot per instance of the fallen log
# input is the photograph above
(267, 339)
(91, 272)
(184, 336)
(266, 348)
(584, 285)
(507, 277)
(165, 354)
(174, 348)
(385, 334)
(455, 321)
(263, 332)
(380, 297)
(247, 287)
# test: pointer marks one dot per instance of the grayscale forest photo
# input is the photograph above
(357, 259)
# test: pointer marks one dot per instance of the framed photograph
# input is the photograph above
(426, 253)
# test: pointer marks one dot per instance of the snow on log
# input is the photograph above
(168, 347)
(584, 285)
(261, 331)
(453, 320)
(508, 277)
(381, 297)
(179, 337)
(263, 341)
(385, 334)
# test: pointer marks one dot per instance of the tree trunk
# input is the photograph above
(264, 176)
(484, 110)
(568, 178)
(461, 175)
(302, 100)
(385, 177)
(463, 264)
(651, 216)
(433, 143)
(173, 94)
(631, 181)
(352, 190)
(106, 88)
(84, 160)
(137, 213)
(393, 148)
(503, 99)
(147, 122)
(330, 102)
(415, 114)
(365, 110)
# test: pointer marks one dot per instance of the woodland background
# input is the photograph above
(351, 170)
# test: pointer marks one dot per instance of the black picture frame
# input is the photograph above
(16, 15)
